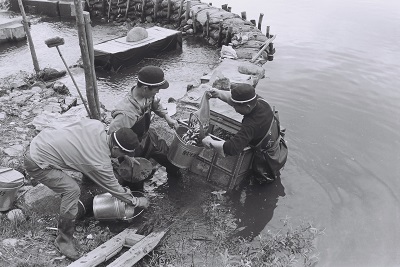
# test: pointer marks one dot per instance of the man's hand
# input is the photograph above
(142, 202)
(212, 93)
(207, 141)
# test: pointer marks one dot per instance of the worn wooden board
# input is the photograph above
(107, 250)
(138, 251)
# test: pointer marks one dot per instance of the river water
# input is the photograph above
(334, 80)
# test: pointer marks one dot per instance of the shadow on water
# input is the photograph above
(255, 205)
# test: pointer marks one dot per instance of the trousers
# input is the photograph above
(59, 182)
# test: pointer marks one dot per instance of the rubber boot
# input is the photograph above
(65, 238)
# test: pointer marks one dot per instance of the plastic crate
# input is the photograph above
(225, 172)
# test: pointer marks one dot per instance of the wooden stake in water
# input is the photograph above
(155, 10)
(29, 37)
(220, 33)
(127, 8)
(143, 17)
(260, 20)
(267, 32)
(169, 11)
(180, 13)
(208, 25)
(244, 16)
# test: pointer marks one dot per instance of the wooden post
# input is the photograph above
(220, 33)
(225, 7)
(208, 25)
(89, 39)
(188, 5)
(229, 9)
(253, 21)
(244, 16)
(210, 4)
(155, 10)
(180, 13)
(127, 8)
(229, 35)
(143, 17)
(260, 20)
(194, 18)
(29, 37)
(109, 9)
(169, 11)
(267, 32)
(90, 95)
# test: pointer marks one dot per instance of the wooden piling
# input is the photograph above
(109, 10)
(253, 21)
(194, 18)
(220, 33)
(155, 10)
(127, 8)
(208, 24)
(225, 7)
(229, 9)
(188, 5)
(229, 35)
(143, 16)
(29, 37)
(180, 13)
(244, 16)
(267, 32)
(260, 20)
(83, 43)
(169, 11)
(89, 39)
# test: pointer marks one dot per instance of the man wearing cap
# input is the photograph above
(83, 146)
(260, 129)
(134, 112)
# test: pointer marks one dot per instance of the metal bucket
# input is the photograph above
(181, 154)
(7, 196)
(107, 207)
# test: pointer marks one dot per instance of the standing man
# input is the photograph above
(83, 146)
(260, 129)
(134, 112)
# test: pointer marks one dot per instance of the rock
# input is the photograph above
(60, 88)
(42, 200)
(10, 242)
(15, 150)
(48, 74)
(136, 34)
(22, 99)
(3, 115)
(16, 215)
(251, 69)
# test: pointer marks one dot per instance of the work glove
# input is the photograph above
(141, 202)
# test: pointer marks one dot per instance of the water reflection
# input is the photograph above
(255, 205)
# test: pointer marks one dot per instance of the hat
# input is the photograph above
(243, 93)
(152, 76)
(126, 139)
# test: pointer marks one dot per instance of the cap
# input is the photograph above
(126, 139)
(152, 76)
(243, 93)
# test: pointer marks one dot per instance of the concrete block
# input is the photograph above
(67, 9)
(42, 7)
(12, 30)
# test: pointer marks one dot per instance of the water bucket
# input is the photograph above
(10, 181)
(107, 207)
(181, 154)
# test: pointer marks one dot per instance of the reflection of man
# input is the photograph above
(134, 112)
(83, 146)
(256, 207)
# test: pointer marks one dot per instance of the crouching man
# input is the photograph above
(83, 146)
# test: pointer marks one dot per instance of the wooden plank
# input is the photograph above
(105, 251)
(132, 239)
(138, 251)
